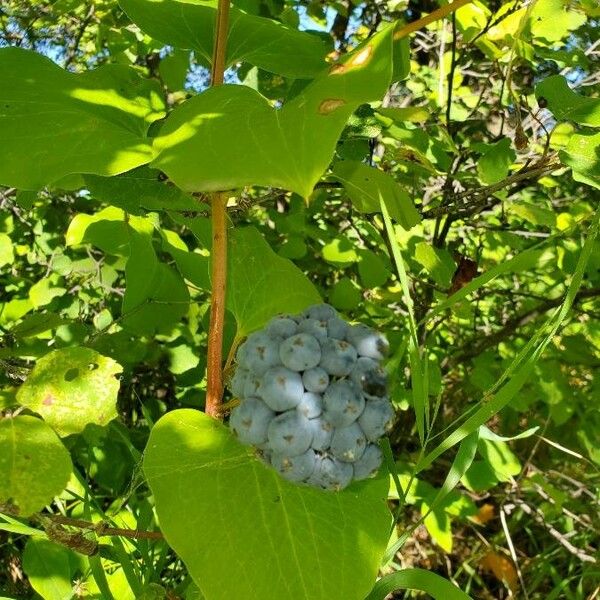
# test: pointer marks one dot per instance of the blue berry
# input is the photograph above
(295, 468)
(321, 312)
(281, 388)
(342, 403)
(336, 328)
(348, 443)
(322, 431)
(315, 327)
(315, 380)
(290, 433)
(311, 405)
(338, 357)
(368, 342)
(260, 353)
(238, 381)
(331, 474)
(377, 418)
(300, 352)
(282, 327)
(370, 377)
(368, 464)
(250, 421)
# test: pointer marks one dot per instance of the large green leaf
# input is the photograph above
(244, 532)
(54, 123)
(262, 42)
(139, 190)
(71, 388)
(565, 104)
(50, 568)
(34, 465)
(261, 283)
(230, 136)
(156, 296)
(365, 187)
(582, 154)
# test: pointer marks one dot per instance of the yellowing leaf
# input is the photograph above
(502, 568)
(72, 387)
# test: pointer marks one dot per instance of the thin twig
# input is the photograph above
(436, 15)
(102, 529)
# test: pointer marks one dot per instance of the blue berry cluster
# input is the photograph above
(313, 397)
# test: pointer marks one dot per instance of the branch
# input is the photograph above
(480, 196)
(59, 529)
(475, 347)
(214, 376)
(440, 13)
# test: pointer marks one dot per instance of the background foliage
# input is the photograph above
(452, 189)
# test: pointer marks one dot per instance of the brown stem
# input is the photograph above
(102, 529)
(214, 375)
(214, 386)
(440, 13)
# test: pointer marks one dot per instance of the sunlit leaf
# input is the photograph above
(291, 541)
(71, 388)
(259, 41)
(54, 123)
(34, 465)
(263, 284)
(287, 147)
(565, 104)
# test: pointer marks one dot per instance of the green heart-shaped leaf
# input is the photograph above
(230, 136)
(261, 283)
(72, 387)
(262, 42)
(34, 464)
(244, 532)
(54, 123)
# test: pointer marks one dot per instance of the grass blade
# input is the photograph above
(419, 388)
(417, 579)
(522, 366)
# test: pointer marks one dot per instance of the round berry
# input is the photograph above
(377, 418)
(348, 443)
(250, 421)
(300, 352)
(281, 388)
(342, 403)
(315, 380)
(368, 342)
(338, 357)
(295, 468)
(290, 433)
(368, 464)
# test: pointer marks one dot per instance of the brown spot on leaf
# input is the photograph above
(360, 58)
(329, 105)
(357, 60)
(48, 400)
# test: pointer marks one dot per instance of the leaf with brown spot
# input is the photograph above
(72, 387)
(288, 147)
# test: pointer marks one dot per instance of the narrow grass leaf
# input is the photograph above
(417, 579)
(419, 389)
(522, 365)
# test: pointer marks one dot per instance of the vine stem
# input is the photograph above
(440, 13)
(214, 375)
